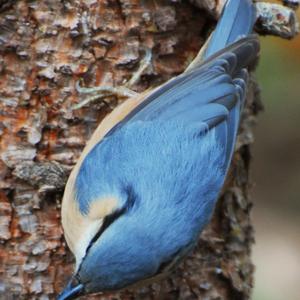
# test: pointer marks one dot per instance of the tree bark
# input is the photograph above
(46, 47)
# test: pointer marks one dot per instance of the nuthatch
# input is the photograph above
(147, 182)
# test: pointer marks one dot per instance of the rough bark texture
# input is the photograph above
(45, 48)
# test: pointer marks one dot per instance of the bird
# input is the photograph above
(147, 182)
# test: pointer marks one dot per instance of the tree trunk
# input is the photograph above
(46, 47)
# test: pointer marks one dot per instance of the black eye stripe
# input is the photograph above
(108, 220)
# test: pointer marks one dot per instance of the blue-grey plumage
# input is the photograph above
(147, 183)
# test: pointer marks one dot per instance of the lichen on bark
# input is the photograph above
(46, 47)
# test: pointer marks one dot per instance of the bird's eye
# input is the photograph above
(108, 220)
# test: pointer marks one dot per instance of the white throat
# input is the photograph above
(82, 245)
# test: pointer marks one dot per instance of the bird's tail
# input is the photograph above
(237, 20)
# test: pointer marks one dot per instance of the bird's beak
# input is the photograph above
(71, 291)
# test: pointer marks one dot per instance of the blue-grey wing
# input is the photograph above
(187, 126)
(212, 94)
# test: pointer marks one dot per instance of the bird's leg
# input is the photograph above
(123, 91)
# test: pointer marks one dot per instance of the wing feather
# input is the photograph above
(211, 94)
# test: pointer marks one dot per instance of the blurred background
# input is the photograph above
(276, 173)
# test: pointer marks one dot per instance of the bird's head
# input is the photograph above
(123, 253)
